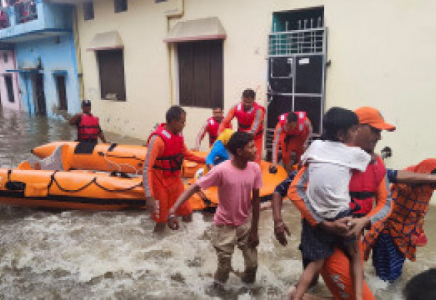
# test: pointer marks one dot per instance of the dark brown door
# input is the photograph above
(62, 92)
(9, 88)
(201, 73)
(41, 108)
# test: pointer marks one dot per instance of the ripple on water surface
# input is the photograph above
(107, 255)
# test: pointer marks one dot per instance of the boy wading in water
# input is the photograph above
(238, 181)
(331, 162)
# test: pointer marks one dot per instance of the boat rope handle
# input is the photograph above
(101, 153)
(119, 165)
(127, 189)
(94, 180)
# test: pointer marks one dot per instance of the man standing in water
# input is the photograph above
(162, 183)
(210, 127)
(250, 116)
(88, 126)
(238, 181)
(365, 188)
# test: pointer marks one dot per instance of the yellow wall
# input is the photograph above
(382, 54)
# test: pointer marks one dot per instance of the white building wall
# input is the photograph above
(381, 53)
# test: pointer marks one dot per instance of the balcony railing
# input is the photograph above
(4, 18)
(25, 12)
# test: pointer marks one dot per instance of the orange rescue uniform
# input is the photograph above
(164, 188)
(336, 271)
(295, 141)
(248, 121)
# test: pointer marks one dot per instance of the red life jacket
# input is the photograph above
(88, 128)
(212, 128)
(301, 123)
(246, 118)
(364, 185)
(172, 158)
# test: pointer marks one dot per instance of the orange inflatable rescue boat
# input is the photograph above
(107, 157)
(48, 183)
(79, 190)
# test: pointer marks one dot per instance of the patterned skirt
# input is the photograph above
(387, 260)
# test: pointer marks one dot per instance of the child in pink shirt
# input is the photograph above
(238, 181)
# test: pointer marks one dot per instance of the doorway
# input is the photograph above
(296, 67)
(39, 95)
(9, 88)
(62, 93)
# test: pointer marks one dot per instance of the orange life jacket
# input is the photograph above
(88, 128)
(172, 158)
(246, 118)
(212, 128)
(364, 185)
(301, 123)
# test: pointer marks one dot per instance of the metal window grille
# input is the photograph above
(296, 42)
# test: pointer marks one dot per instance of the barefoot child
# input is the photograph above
(238, 181)
(330, 164)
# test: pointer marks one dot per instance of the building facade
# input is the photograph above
(141, 57)
(42, 36)
(9, 90)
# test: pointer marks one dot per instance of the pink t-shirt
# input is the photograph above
(234, 191)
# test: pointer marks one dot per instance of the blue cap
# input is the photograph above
(86, 103)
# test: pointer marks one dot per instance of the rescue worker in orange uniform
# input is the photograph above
(88, 126)
(162, 166)
(250, 117)
(292, 135)
(365, 189)
(210, 127)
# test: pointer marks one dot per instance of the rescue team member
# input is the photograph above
(165, 154)
(88, 126)
(237, 217)
(365, 188)
(396, 239)
(250, 117)
(292, 135)
(210, 127)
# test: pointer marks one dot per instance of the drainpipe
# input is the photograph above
(27, 79)
(172, 14)
(78, 54)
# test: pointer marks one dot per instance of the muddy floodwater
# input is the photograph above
(48, 254)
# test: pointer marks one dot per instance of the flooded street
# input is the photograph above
(113, 255)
